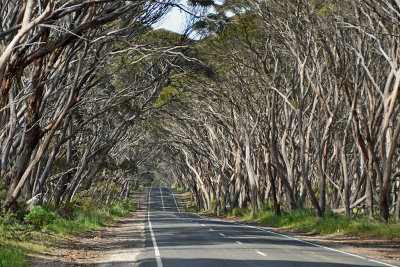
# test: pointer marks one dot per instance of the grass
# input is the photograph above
(331, 224)
(11, 256)
(242, 212)
(18, 239)
(81, 223)
(84, 221)
(180, 189)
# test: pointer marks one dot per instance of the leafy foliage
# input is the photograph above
(39, 217)
(203, 3)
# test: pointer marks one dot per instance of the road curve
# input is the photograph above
(175, 238)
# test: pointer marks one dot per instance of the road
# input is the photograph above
(175, 238)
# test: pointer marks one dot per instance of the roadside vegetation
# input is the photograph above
(42, 227)
(332, 224)
(304, 220)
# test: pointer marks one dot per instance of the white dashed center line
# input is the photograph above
(203, 225)
(162, 200)
(221, 234)
(262, 254)
(240, 243)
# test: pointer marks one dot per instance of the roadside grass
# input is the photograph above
(20, 239)
(16, 241)
(333, 224)
(82, 222)
(11, 256)
(180, 189)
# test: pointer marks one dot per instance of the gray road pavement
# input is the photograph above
(175, 238)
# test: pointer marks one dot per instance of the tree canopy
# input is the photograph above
(293, 103)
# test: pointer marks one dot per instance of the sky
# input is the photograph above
(174, 21)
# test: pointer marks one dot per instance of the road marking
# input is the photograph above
(153, 237)
(176, 204)
(211, 229)
(303, 241)
(221, 234)
(262, 254)
(203, 225)
(162, 200)
(240, 243)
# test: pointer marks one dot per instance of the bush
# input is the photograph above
(82, 201)
(128, 205)
(116, 209)
(81, 222)
(39, 217)
(240, 212)
(121, 208)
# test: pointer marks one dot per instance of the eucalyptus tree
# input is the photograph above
(52, 53)
(305, 95)
(375, 25)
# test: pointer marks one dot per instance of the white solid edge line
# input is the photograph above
(303, 241)
(176, 204)
(262, 254)
(153, 238)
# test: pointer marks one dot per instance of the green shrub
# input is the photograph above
(128, 205)
(240, 212)
(81, 222)
(180, 189)
(117, 209)
(266, 206)
(39, 217)
(191, 206)
(121, 208)
(82, 201)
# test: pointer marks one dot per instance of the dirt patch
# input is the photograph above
(126, 238)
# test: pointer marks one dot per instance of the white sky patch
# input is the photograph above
(175, 20)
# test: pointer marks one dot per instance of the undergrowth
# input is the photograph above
(180, 189)
(305, 220)
(11, 256)
(19, 238)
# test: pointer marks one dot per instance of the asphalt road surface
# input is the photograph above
(175, 238)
